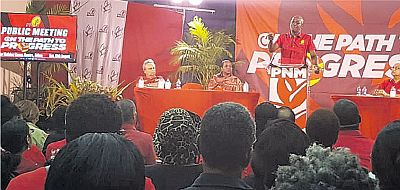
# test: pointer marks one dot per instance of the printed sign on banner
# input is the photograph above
(355, 42)
(38, 37)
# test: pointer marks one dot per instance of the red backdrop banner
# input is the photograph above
(356, 40)
(150, 32)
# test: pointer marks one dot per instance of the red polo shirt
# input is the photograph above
(53, 148)
(31, 159)
(388, 84)
(143, 141)
(358, 144)
(35, 180)
(294, 49)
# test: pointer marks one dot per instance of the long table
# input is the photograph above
(375, 112)
(151, 103)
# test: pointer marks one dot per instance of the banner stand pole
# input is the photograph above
(38, 84)
(25, 80)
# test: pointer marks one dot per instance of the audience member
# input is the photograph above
(285, 112)
(56, 127)
(225, 80)
(323, 168)
(175, 141)
(272, 149)
(8, 109)
(30, 113)
(97, 161)
(14, 135)
(349, 133)
(323, 127)
(264, 113)
(385, 87)
(386, 157)
(226, 137)
(90, 113)
(150, 78)
(143, 141)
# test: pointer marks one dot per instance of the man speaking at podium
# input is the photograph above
(294, 45)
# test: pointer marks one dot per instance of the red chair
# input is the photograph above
(192, 86)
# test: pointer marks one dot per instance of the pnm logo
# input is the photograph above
(91, 12)
(289, 90)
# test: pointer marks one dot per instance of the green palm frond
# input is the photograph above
(201, 55)
(36, 7)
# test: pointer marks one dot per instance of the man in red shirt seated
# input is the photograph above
(143, 141)
(225, 80)
(150, 78)
(294, 45)
(349, 133)
(385, 87)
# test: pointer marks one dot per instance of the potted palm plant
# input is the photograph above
(201, 55)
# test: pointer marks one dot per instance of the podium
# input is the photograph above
(376, 112)
(151, 103)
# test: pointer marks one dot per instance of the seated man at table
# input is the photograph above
(385, 87)
(150, 78)
(225, 80)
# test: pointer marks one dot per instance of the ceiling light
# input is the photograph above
(195, 2)
(176, 1)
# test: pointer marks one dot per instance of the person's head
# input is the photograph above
(272, 149)
(57, 121)
(323, 127)
(285, 112)
(175, 138)
(128, 109)
(396, 70)
(296, 25)
(8, 109)
(385, 156)
(102, 161)
(149, 68)
(226, 137)
(14, 140)
(347, 113)
(92, 113)
(29, 110)
(323, 168)
(264, 112)
(226, 67)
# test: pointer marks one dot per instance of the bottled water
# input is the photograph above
(141, 83)
(167, 84)
(358, 91)
(364, 91)
(245, 87)
(161, 83)
(392, 92)
(178, 84)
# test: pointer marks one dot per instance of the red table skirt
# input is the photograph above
(376, 112)
(151, 103)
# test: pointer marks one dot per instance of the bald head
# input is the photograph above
(296, 25)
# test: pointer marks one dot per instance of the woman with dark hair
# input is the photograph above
(281, 138)
(14, 141)
(101, 161)
(175, 142)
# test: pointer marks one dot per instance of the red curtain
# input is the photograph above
(150, 32)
